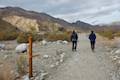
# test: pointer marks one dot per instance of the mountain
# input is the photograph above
(34, 21)
(83, 25)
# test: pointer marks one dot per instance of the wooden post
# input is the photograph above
(30, 57)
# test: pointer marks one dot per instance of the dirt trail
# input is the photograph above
(84, 64)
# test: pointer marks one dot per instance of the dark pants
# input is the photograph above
(92, 45)
(74, 45)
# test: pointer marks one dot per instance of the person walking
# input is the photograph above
(74, 39)
(92, 38)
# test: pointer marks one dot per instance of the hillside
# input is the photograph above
(7, 27)
(29, 20)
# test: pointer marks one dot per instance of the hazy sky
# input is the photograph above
(90, 11)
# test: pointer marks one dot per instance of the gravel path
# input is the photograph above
(84, 64)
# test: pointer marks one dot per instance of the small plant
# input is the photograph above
(22, 64)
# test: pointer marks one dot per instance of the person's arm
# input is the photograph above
(76, 36)
(89, 36)
(71, 37)
(95, 36)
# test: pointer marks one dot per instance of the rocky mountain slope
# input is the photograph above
(5, 27)
(33, 21)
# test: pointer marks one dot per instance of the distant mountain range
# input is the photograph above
(25, 20)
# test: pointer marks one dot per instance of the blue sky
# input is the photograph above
(90, 11)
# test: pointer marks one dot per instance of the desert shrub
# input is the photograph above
(108, 34)
(58, 36)
(22, 64)
(8, 35)
(61, 29)
(23, 37)
(38, 37)
(117, 34)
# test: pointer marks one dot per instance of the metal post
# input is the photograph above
(30, 57)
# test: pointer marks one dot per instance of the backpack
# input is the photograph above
(74, 37)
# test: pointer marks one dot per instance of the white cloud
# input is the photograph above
(91, 11)
(58, 2)
(2, 6)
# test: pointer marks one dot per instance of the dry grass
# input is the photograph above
(108, 34)
(8, 35)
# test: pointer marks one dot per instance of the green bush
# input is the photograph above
(23, 37)
(58, 36)
(8, 35)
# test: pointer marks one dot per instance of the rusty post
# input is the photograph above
(30, 57)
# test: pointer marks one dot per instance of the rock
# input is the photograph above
(26, 77)
(65, 42)
(117, 51)
(43, 75)
(2, 46)
(57, 63)
(114, 58)
(44, 42)
(62, 55)
(45, 56)
(21, 48)
(61, 60)
(59, 52)
(58, 42)
(118, 61)
(17, 75)
(52, 66)
(37, 78)
(5, 57)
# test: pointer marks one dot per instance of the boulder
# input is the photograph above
(46, 56)
(2, 46)
(5, 57)
(59, 42)
(57, 63)
(62, 57)
(117, 51)
(21, 48)
(65, 42)
(43, 75)
(52, 65)
(26, 77)
(59, 52)
(114, 58)
(44, 42)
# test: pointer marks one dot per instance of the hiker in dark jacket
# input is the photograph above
(92, 38)
(74, 39)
